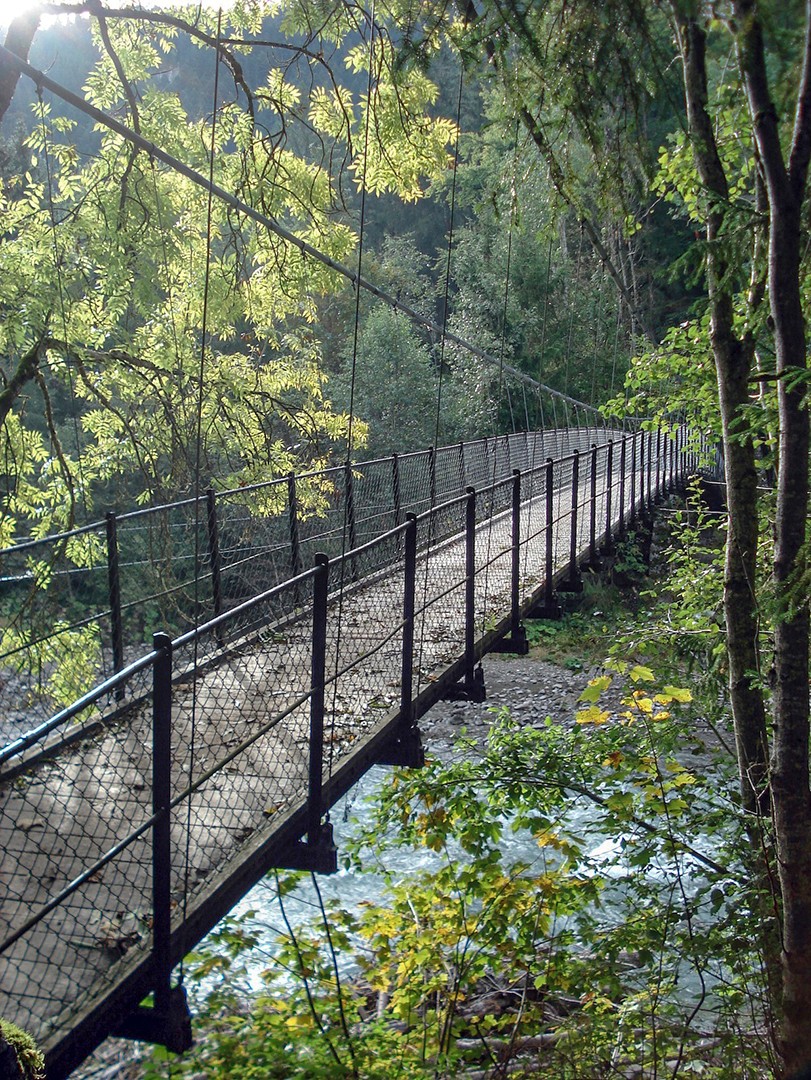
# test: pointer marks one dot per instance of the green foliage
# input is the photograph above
(620, 927)
(29, 1059)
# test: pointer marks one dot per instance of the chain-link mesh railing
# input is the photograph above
(121, 814)
(95, 593)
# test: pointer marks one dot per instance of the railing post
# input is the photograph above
(432, 475)
(407, 747)
(318, 853)
(574, 579)
(317, 684)
(608, 541)
(462, 470)
(472, 686)
(167, 1021)
(659, 492)
(395, 488)
(516, 639)
(623, 464)
(632, 514)
(649, 503)
(349, 495)
(550, 608)
(593, 559)
(214, 557)
(114, 591)
(409, 594)
(642, 474)
(162, 827)
(293, 525)
(470, 587)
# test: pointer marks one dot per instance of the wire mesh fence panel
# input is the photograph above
(493, 553)
(440, 593)
(250, 533)
(450, 476)
(375, 500)
(239, 729)
(49, 606)
(60, 818)
(477, 470)
(417, 482)
(364, 644)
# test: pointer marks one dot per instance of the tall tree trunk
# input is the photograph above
(733, 362)
(786, 186)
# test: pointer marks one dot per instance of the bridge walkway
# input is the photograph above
(134, 820)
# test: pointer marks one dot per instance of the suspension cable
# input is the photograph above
(198, 458)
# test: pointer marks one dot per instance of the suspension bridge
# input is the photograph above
(134, 819)
(308, 623)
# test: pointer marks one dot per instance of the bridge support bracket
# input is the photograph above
(405, 751)
(170, 1027)
(572, 584)
(320, 857)
(515, 642)
(471, 688)
(547, 609)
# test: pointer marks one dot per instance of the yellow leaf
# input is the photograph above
(595, 688)
(641, 674)
(592, 715)
(678, 693)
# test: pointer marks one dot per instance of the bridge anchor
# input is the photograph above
(515, 642)
(320, 856)
(471, 688)
(406, 750)
(169, 1026)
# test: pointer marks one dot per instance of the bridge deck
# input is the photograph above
(241, 743)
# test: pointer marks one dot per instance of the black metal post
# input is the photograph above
(608, 540)
(318, 853)
(407, 747)
(409, 592)
(292, 518)
(659, 491)
(167, 1021)
(516, 640)
(471, 687)
(470, 588)
(574, 580)
(214, 557)
(515, 553)
(550, 609)
(161, 829)
(349, 495)
(432, 475)
(462, 470)
(317, 682)
(395, 488)
(114, 589)
(593, 559)
(642, 503)
(632, 516)
(649, 504)
(623, 463)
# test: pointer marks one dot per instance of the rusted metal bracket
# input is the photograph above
(169, 1026)
(319, 855)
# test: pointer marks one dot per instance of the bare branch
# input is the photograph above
(19, 36)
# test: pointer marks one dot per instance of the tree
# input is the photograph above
(175, 331)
